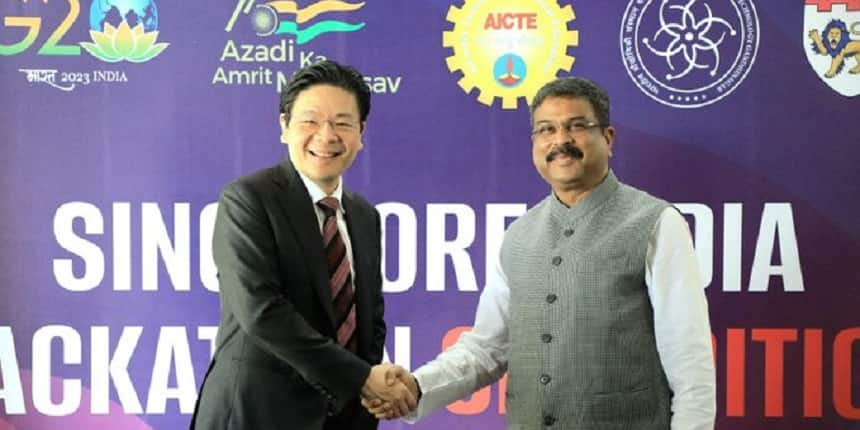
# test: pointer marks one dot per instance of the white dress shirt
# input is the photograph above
(681, 324)
(318, 194)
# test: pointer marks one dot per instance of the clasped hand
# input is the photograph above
(389, 392)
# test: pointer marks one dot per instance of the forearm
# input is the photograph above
(695, 409)
(456, 373)
(477, 359)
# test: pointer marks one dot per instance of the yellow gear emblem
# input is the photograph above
(509, 48)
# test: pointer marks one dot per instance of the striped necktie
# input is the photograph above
(340, 277)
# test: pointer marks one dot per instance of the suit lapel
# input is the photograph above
(298, 208)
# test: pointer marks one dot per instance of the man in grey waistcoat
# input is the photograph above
(596, 307)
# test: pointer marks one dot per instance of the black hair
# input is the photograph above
(330, 73)
(573, 87)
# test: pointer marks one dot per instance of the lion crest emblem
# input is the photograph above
(831, 30)
(838, 45)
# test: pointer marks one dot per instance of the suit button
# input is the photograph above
(546, 338)
(544, 379)
(568, 232)
(548, 420)
(551, 298)
(556, 260)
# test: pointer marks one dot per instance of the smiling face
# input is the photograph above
(323, 133)
(587, 163)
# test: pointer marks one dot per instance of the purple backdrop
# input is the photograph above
(124, 118)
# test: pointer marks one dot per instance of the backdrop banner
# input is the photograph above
(125, 118)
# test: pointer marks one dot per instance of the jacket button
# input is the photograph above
(551, 298)
(568, 232)
(548, 420)
(546, 338)
(556, 260)
(544, 379)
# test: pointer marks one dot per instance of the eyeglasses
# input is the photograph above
(575, 126)
(312, 125)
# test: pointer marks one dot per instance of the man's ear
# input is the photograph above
(362, 128)
(609, 135)
(283, 121)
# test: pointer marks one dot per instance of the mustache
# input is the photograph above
(565, 149)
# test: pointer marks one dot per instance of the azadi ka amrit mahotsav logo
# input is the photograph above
(286, 17)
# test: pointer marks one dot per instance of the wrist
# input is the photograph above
(417, 388)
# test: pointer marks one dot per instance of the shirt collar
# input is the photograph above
(598, 196)
(318, 194)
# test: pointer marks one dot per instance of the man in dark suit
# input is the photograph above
(298, 260)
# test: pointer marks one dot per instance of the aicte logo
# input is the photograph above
(509, 48)
(121, 30)
(509, 21)
(689, 53)
(510, 69)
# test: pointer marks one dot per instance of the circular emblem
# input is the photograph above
(509, 48)
(689, 53)
(264, 19)
(510, 70)
(132, 12)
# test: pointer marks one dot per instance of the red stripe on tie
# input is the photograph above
(347, 328)
(340, 279)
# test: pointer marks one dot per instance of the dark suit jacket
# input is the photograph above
(277, 365)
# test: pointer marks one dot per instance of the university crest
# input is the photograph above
(831, 33)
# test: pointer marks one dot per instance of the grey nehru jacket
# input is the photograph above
(583, 352)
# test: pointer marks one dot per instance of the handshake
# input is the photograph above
(389, 392)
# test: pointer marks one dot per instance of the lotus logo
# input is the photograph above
(124, 30)
(124, 43)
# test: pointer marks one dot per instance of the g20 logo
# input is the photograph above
(34, 26)
(121, 30)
